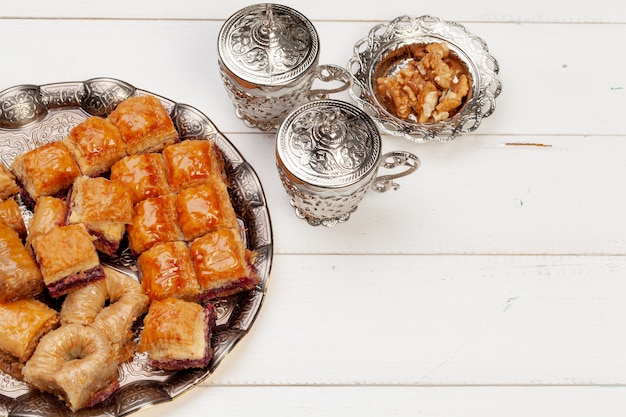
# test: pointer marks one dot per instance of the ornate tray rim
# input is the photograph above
(23, 109)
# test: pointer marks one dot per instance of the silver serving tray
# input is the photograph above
(31, 116)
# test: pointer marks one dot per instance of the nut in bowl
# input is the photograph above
(424, 78)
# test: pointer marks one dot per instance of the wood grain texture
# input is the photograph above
(491, 283)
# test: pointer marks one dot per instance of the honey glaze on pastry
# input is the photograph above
(167, 271)
(191, 163)
(154, 220)
(11, 214)
(203, 209)
(144, 124)
(177, 334)
(67, 259)
(96, 145)
(104, 207)
(8, 184)
(46, 170)
(19, 275)
(143, 174)
(111, 305)
(22, 324)
(49, 212)
(222, 264)
(75, 362)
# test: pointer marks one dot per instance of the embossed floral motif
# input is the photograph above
(328, 142)
(20, 107)
(268, 42)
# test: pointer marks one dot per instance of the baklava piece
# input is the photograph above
(96, 145)
(111, 305)
(76, 363)
(104, 207)
(143, 174)
(49, 212)
(191, 163)
(177, 334)
(19, 275)
(223, 265)
(145, 125)
(22, 324)
(203, 209)
(67, 259)
(166, 271)
(46, 170)
(154, 220)
(10, 212)
(8, 185)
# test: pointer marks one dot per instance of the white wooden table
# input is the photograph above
(492, 283)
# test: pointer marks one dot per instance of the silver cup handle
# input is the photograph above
(330, 73)
(393, 160)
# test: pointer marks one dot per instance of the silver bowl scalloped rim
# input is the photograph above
(383, 38)
(32, 115)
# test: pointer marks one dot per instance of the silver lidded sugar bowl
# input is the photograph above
(268, 58)
(328, 155)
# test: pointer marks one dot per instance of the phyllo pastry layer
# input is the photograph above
(49, 212)
(222, 264)
(143, 174)
(19, 275)
(8, 184)
(75, 362)
(166, 271)
(145, 125)
(191, 163)
(154, 220)
(96, 145)
(67, 259)
(177, 334)
(104, 206)
(203, 209)
(22, 324)
(10, 212)
(46, 170)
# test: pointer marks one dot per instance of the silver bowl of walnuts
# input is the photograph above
(424, 78)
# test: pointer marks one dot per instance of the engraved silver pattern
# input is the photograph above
(328, 153)
(384, 38)
(268, 61)
(33, 115)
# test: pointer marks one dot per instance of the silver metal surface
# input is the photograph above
(31, 116)
(328, 153)
(268, 60)
(405, 30)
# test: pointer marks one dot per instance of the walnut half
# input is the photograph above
(430, 83)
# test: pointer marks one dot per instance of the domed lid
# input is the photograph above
(328, 144)
(268, 44)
